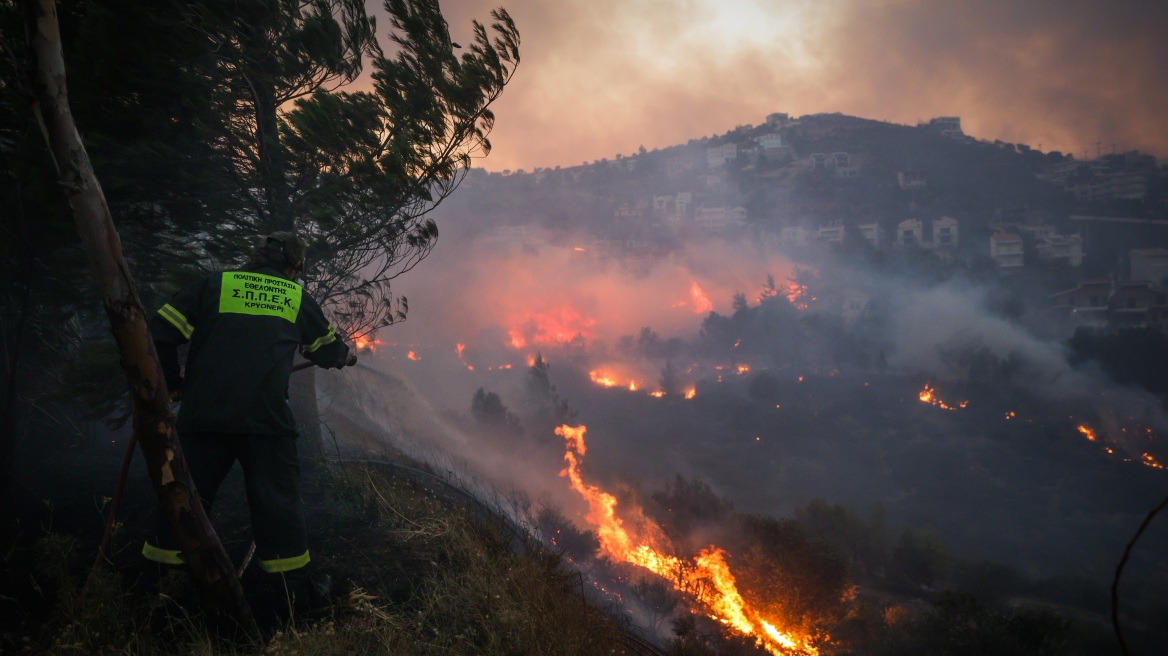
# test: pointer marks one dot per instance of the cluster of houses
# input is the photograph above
(1140, 300)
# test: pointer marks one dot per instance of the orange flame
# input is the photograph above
(413, 356)
(554, 328)
(1150, 461)
(1087, 432)
(601, 378)
(701, 303)
(743, 368)
(649, 549)
(797, 295)
(927, 395)
(363, 342)
(691, 392)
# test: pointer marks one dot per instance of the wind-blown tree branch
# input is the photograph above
(367, 168)
(355, 172)
(268, 53)
(44, 75)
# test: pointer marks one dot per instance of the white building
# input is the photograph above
(873, 233)
(945, 234)
(1006, 250)
(832, 233)
(910, 232)
(1061, 247)
(1149, 264)
(793, 236)
(717, 156)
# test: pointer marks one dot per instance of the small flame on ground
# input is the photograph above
(743, 368)
(1150, 461)
(1146, 459)
(1088, 432)
(927, 395)
(413, 356)
(601, 378)
(691, 392)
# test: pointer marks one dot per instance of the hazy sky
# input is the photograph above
(604, 77)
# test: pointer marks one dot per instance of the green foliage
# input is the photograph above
(689, 510)
(565, 538)
(490, 414)
(1132, 356)
(787, 573)
(920, 560)
(958, 625)
(545, 408)
(859, 537)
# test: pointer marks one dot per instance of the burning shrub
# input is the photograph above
(786, 572)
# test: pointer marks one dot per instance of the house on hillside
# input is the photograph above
(1055, 247)
(778, 119)
(717, 156)
(774, 148)
(1006, 250)
(910, 232)
(1149, 264)
(718, 219)
(945, 234)
(946, 126)
(1129, 303)
(793, 236)
(872, 233)
(832, 233)
(910, 180)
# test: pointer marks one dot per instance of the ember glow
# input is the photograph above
(602, 379)
(363, 342)
(460, 347)
(1150, 461)
(797, 295)
(559, 327)
(1146, 459)
(1088, 432)
(642, 543)
(928, 395)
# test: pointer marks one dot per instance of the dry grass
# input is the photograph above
(422, 576)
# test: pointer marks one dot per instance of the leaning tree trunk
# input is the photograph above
(153, 420)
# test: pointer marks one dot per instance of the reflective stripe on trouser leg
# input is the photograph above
(271, 469)
(160, 555)
(277, 565)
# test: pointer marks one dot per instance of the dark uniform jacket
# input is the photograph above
(244, 328)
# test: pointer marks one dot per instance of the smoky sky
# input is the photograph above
(600, 77)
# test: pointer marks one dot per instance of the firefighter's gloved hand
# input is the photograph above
(351, 360)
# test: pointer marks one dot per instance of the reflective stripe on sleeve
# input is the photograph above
(285, 564)
(176, 319)
(160, 555)
(329, 338)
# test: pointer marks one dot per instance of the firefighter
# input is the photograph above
(244, 328)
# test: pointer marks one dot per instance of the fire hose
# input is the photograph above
(120, 486)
